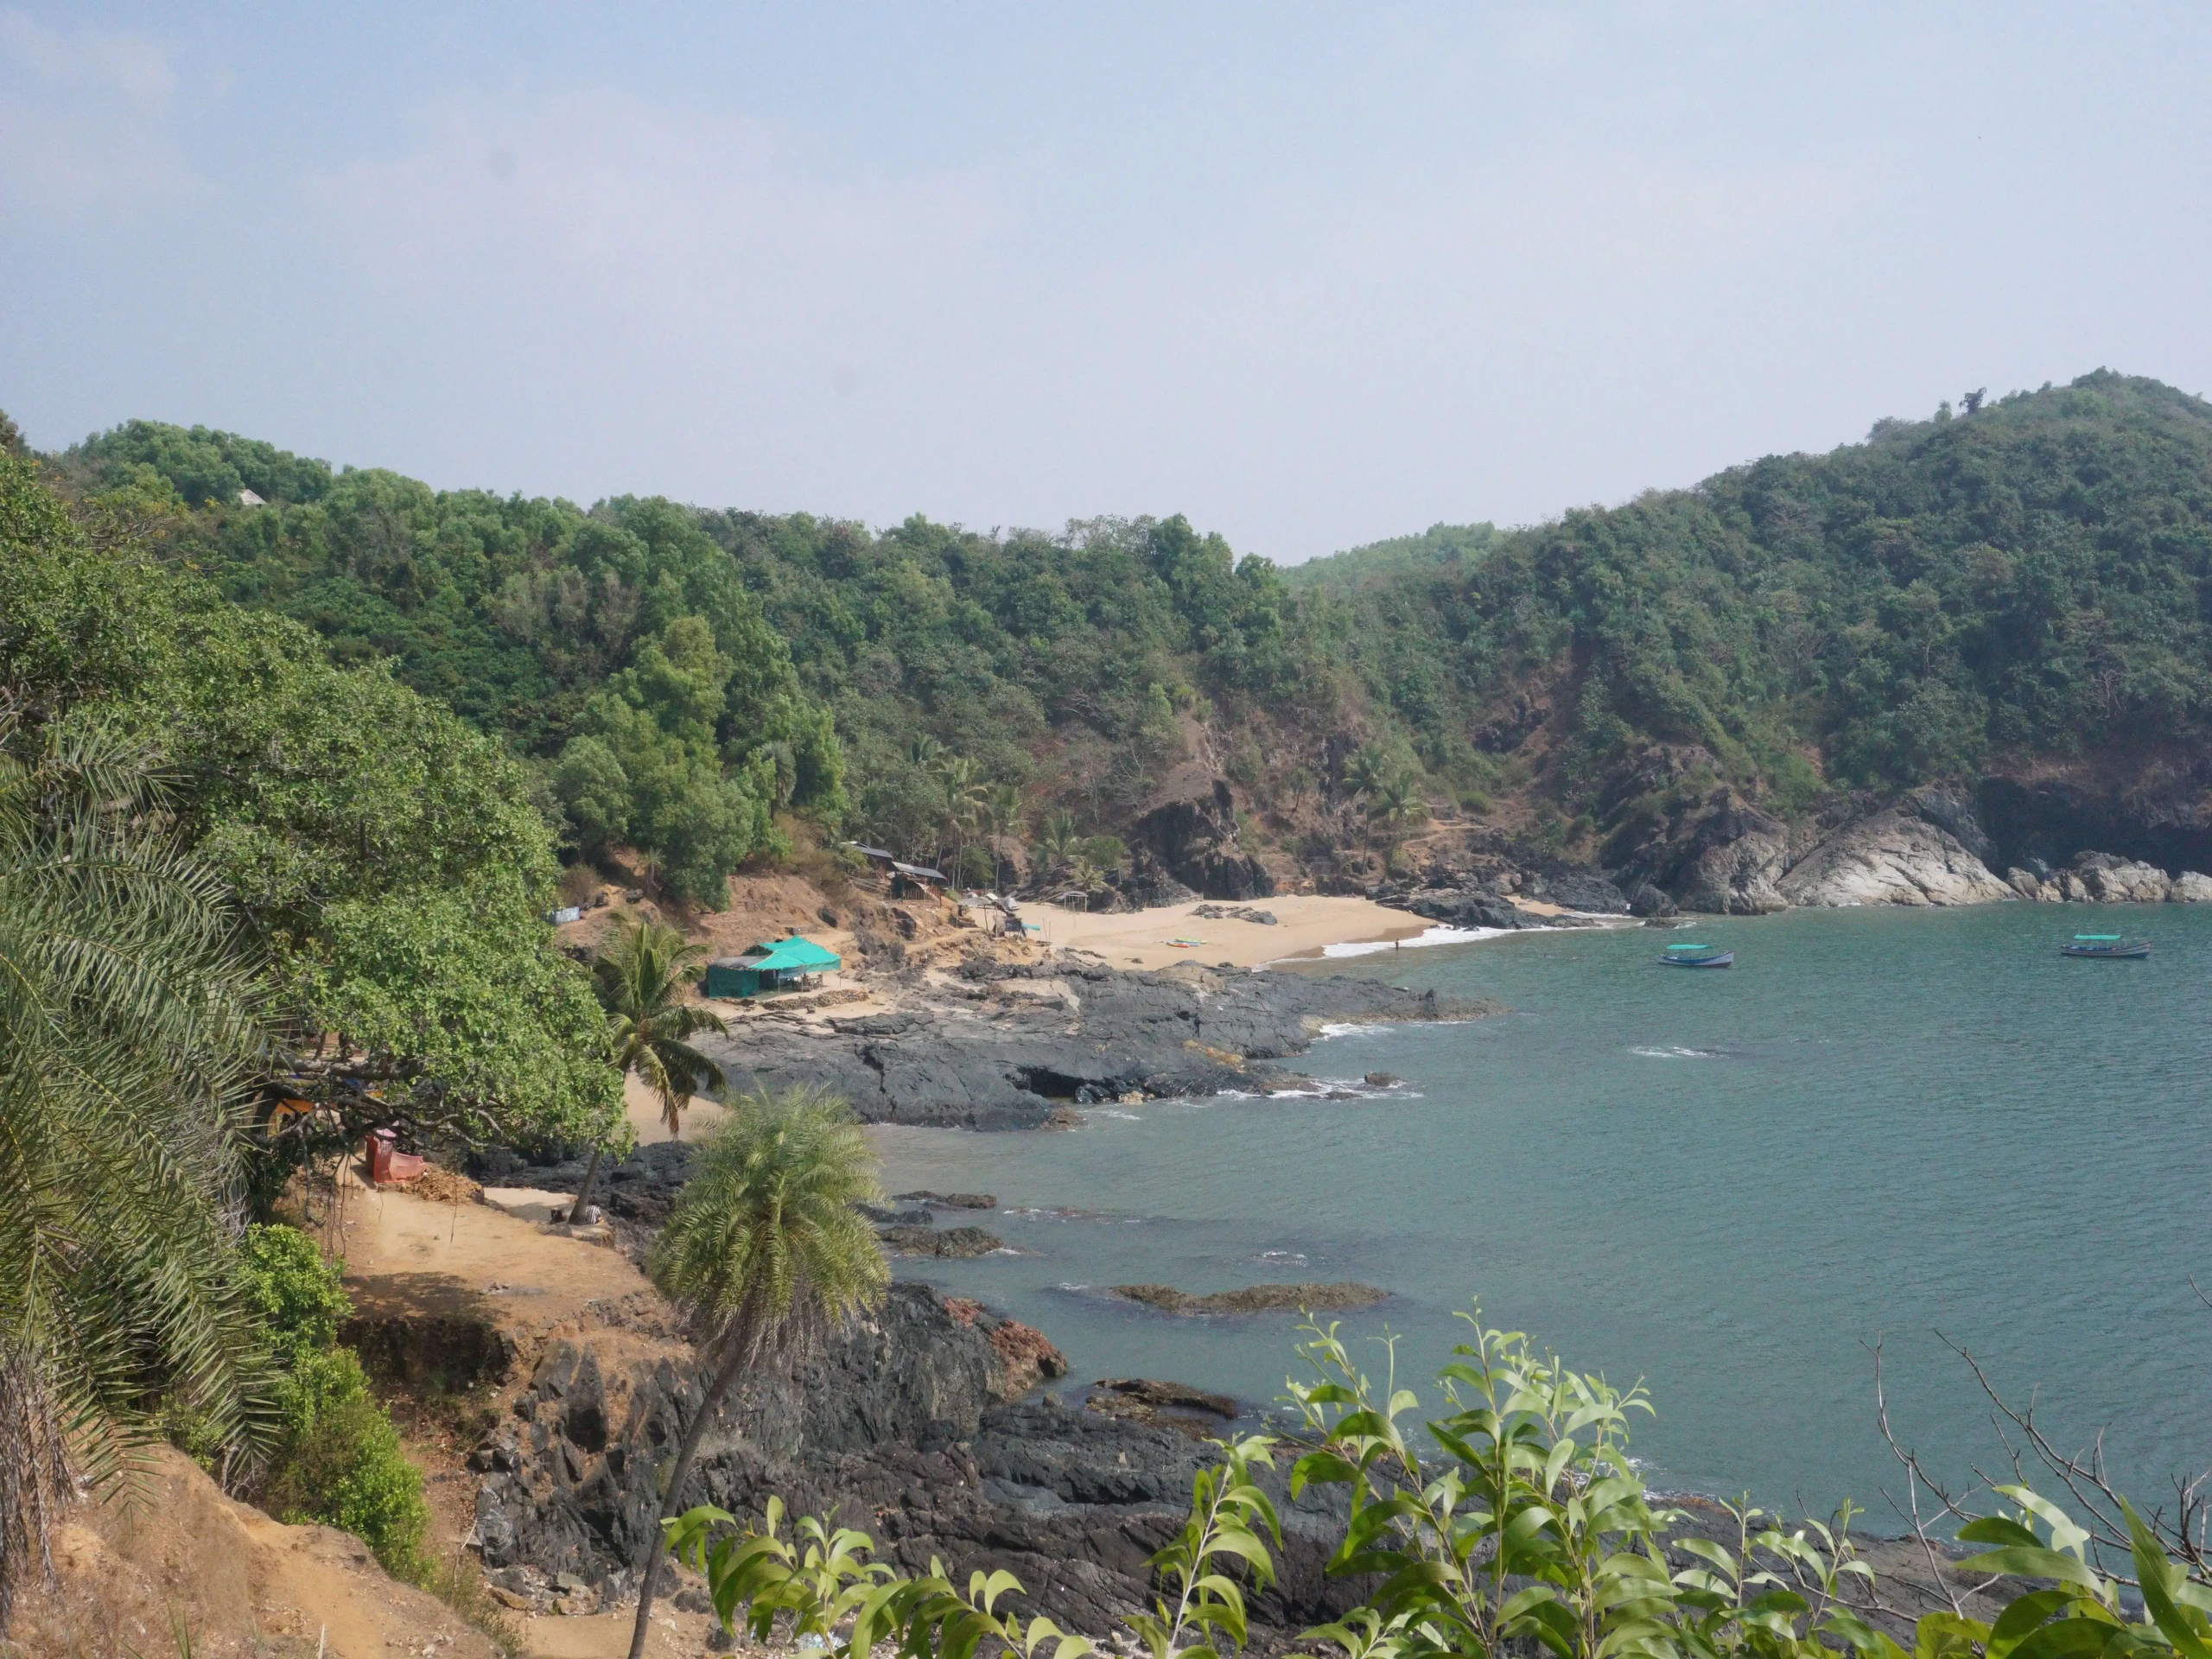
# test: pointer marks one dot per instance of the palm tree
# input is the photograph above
(1366, 770)
(762, 1255)
(1058, 839)
(128, 1044)
(1001, 811)
(640, 980)
(1395, 803)
(960, 792)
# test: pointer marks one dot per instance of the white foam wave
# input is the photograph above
(1126, 1117)
(1345, 1089)
(1438, 934)
(1677, 1053)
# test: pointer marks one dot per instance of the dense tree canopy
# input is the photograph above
(2028, 579)
(384, 855)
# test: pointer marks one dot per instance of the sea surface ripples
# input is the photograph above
(1879, 1126)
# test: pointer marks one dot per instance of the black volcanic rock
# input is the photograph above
(898, 1428)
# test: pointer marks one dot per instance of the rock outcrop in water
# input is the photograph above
(1032, 1036)
(1896, 857)
(1252, 1299)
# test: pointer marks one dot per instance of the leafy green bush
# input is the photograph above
(339, 1460)
(1514, 1523)
(297, 1294)
(347, 1470)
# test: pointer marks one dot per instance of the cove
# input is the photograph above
(1880, 1125)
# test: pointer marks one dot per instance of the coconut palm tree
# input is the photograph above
(1366, 772)
(1001, 811)
(1058, 839)
(960, 793)
(128, 1045)
(640, 980)
(1394, 804)
(762, 1255)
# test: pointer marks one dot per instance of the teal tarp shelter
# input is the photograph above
(769, 966)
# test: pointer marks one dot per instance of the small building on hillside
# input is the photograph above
(771, 965)
(879, 859)
(915, 879)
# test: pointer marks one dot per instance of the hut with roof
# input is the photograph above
(770, 965)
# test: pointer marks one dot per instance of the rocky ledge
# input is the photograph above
(1019, 1040)
(912, 1427)
(1715, 851)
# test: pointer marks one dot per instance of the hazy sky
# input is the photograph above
(1312, 275)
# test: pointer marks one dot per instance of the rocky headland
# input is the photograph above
(1716, 852)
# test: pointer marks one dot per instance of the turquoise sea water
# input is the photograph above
(1879, 1125)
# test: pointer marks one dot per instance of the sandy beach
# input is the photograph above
(1304, 923)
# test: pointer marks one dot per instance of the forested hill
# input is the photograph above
(2027, 582)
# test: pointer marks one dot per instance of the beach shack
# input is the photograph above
(771, 965)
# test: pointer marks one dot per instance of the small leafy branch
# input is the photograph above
(1229, 1512)
(1512, 1522)
(1536, 1529)
(827, 1583)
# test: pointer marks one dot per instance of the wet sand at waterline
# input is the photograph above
(1306, 924)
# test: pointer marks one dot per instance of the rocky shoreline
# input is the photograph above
(917, 1425)
(1017, 1045)
(923, 1426)
(1724, 856)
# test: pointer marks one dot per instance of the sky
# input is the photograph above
(1311, 275)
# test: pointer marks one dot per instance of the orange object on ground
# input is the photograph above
(387, 1165)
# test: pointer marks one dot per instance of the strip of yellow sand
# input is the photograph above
(1304, 924)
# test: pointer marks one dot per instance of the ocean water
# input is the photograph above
(1880, 1127)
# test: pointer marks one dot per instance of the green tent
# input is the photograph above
(769, 966)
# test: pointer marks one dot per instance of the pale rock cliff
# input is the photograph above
(1895, 857)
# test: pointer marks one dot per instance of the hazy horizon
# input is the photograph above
(1315, 278)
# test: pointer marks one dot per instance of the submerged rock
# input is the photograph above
(950, 1201)
(1178, 1406)
(1252, 1298)
(954, 1243)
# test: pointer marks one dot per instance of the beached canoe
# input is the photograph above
(2106, 947)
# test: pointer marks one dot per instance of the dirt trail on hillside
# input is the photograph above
(184, 1558)
(425, 1278)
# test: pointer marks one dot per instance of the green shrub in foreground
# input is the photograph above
(339, 1460)
(1513, 1525)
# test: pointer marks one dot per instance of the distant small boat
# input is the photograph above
(2106, 947)
(1697, 955)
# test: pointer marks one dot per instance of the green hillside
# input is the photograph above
(1953, 594)
(1439, 550)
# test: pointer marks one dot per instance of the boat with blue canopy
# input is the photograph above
(1697, 955)
(2106, 947)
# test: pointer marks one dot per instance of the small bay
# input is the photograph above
(1879, 1126)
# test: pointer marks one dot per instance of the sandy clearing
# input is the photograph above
(1304, 923)
(643, 1107)
(407, 1257)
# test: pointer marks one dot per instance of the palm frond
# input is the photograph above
(128, 1035)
